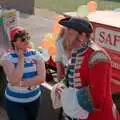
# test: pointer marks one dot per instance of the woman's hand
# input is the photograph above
(20, 54)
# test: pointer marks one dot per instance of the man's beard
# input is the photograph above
(74, 43)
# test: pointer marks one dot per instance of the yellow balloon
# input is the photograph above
(47, 37)
(50, 42)
(92, 6)
(44, 44)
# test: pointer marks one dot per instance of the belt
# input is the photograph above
(69, 118)
(21, 88)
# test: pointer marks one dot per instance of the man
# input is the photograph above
(89, 66)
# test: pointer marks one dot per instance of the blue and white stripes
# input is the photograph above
(18, 94)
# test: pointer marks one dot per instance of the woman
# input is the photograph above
(61, 60)
(61, 57)
(87, 95)
(25, 71)
(63, 53)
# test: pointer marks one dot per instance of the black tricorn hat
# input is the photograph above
(78, 24)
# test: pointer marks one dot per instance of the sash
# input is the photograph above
(70, 104)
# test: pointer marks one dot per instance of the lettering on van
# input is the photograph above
(108, 38)
(116, 65)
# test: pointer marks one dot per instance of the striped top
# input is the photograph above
(19, 94)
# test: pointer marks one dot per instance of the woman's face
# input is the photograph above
(21, 40)
(21, 44)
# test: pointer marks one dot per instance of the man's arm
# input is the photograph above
(99, 78)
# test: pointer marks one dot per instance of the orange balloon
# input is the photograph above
(57, 27)
(92, 6)
(52, 50)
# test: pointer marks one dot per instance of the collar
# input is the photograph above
(82, 49)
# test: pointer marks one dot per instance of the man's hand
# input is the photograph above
(59, 89)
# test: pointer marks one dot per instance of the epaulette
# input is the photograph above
(98, 55)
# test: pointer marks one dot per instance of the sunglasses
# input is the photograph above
(23, 36)
(24, 40)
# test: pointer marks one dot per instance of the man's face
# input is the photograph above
(74, 38)
(71, 35)
(81, 40)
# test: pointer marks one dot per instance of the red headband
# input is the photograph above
(15, 30)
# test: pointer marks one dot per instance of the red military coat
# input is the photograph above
(95, 71)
